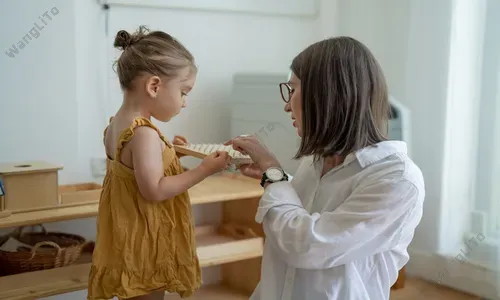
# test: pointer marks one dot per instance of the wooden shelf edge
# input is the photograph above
(213, 249)
(217, 188)
(47, 283)
(47, 216)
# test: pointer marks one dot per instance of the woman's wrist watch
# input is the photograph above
(273, 174)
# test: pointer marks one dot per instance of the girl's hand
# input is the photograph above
(215, 162)
(179, 140)
(260, 154)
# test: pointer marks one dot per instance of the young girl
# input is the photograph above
(145, 233)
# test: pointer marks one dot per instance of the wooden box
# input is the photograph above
(82, 193)
(29, 186)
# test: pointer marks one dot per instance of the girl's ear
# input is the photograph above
(153, 86)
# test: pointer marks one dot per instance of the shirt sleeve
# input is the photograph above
(369, 221)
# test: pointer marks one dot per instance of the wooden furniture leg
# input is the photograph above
(242, 275)
(400, 282)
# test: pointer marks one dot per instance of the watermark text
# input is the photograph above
(33, 33)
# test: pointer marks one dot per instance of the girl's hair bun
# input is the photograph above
(123, 39)
(151, 52)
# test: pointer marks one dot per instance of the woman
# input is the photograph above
(340, 229)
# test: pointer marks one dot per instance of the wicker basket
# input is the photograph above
(49, 250)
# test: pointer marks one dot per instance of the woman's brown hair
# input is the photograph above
(156, 53)
(344, 97)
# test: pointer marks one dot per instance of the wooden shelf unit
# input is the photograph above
(216, 188)
(235, 244)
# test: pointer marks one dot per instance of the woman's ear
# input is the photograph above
(153, 86)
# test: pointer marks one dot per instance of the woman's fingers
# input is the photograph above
(230, 142)
(251, 170)
(235, 143)
(238, 148)
(242, 151)
(245, 144)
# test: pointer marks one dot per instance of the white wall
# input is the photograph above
(38, 85)
(384, 27)
(54, 107)
(431, 52)
(490, 91)
(411, 41)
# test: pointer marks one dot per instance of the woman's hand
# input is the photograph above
(179, 140)
(260, 154)
(251, 170)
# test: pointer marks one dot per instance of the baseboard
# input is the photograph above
(459, 275)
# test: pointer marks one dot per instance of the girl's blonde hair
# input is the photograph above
(144, 52)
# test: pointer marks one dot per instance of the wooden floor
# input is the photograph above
(416, 289)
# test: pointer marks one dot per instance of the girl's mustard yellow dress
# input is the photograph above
(142, 246)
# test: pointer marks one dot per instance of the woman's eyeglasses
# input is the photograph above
(286, 91)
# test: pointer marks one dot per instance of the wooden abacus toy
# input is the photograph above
(203, 150)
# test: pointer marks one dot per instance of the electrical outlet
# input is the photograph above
(98, 166)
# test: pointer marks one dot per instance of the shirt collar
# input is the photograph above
(379, 151)
(370, 154)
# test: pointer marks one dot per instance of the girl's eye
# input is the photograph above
(183, 94)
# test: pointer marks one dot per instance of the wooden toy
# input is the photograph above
(79, 194)
(203, 150)
(33, 186)
(28, 186)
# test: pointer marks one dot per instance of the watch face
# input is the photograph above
(274, 174)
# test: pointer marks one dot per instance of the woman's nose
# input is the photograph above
(288, 107)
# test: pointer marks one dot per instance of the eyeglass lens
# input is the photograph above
(285, 92)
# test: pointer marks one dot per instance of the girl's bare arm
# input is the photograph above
(148, 168)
